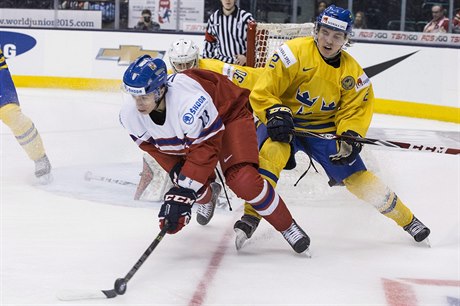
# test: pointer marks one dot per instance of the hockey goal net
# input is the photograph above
(265, 38)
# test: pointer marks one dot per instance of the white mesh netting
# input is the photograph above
(269, 36)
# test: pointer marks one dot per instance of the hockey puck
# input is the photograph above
(120, 286)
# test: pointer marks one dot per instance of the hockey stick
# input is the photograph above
(120, 285)
(379, 142)
(90, 176)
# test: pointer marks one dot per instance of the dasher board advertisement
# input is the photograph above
(69, 19)
(164, 12)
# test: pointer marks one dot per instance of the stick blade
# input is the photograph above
(82, 294)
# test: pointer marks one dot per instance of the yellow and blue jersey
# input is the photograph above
(322, 98)
(242, 76)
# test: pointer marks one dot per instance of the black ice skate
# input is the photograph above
(418, 230)
(43, 170)
(297, 238)
(244, 229)
(206, 211)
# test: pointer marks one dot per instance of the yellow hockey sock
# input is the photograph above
(368, 187)
(24, 130)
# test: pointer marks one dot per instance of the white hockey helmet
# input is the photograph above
(183, 54)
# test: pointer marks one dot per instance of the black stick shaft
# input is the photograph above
(146, 254)
(120, 283)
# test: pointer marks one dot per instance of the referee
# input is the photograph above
(226, 34)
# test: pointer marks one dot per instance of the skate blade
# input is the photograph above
(45, 179)
(426, 242)
(306, 253)
(240, 238)
(221, 204)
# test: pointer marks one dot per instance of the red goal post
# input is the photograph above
(265, 38)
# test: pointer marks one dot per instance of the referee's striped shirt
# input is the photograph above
(226, 36)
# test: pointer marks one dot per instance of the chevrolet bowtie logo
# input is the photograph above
(125, 55)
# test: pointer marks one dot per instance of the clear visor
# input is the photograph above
(154, 96)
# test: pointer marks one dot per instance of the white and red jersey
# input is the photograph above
(199, 104)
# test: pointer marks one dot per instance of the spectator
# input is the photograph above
(439, 23)
(360, 21)
(146, 23)
(226, 34)
(456, 22)
(321, 7)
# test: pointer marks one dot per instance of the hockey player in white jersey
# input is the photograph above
(190, 121)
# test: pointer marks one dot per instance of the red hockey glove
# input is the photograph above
(348, 150)
(177, 208)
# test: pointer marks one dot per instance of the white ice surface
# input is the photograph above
(75, 234)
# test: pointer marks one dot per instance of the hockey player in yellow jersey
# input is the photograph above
(22, 127)
(311, 84)
(184, 54)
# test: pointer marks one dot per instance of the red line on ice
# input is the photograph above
(202, 288)
(399, 294)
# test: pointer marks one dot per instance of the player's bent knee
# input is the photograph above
(364, 183)
(245, 181)
(274, 154)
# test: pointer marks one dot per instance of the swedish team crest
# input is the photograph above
(348, 83)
